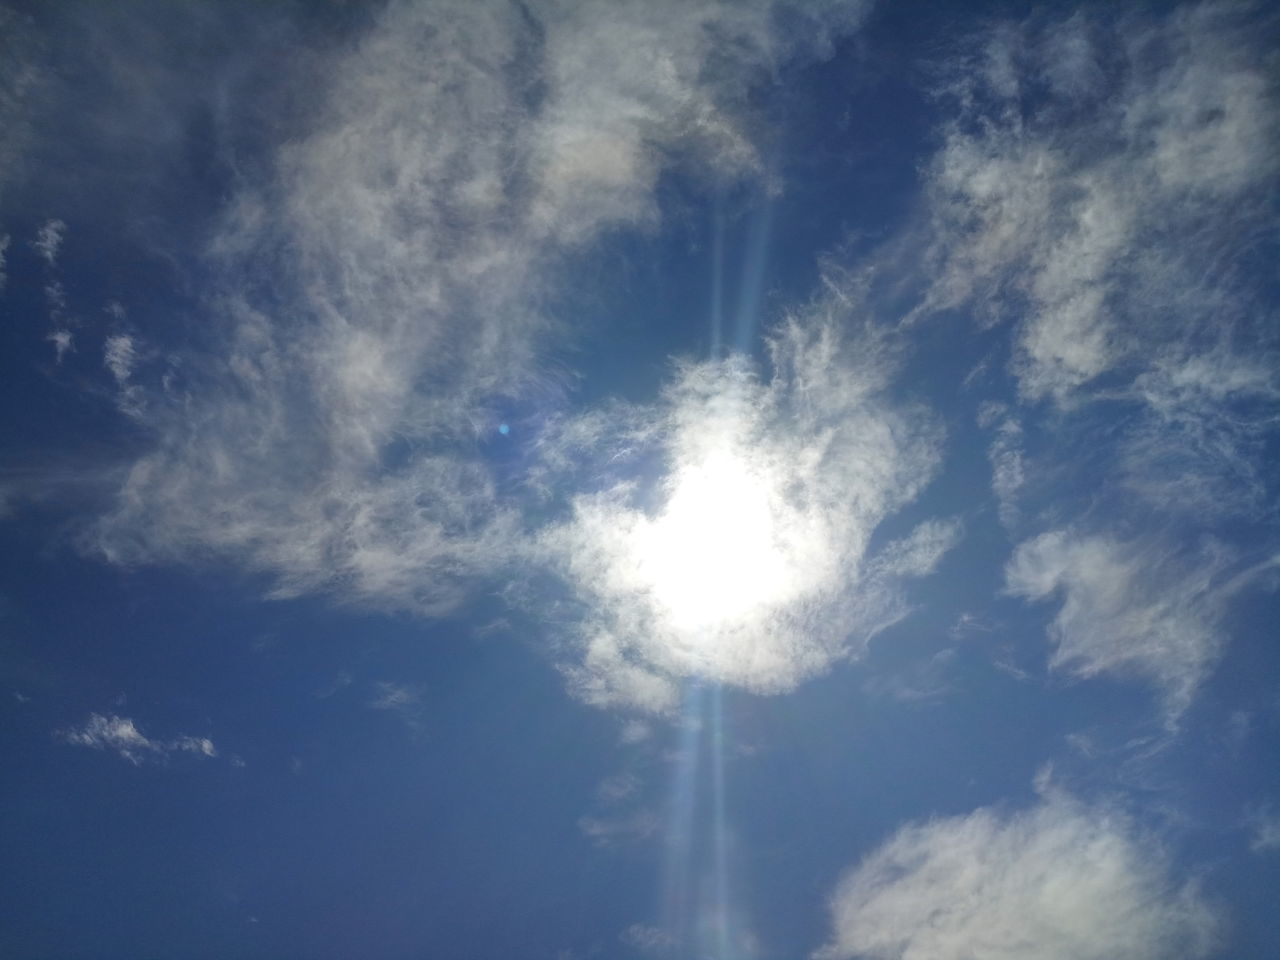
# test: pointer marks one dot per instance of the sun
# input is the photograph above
(712, 554)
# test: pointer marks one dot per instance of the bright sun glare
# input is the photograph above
(712, 555)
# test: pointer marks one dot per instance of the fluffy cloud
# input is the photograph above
(383, 287)
(748, 560)
(121, 736)
(1058, 882)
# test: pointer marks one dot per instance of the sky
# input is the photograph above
(700, 479)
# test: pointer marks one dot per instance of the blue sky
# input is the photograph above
(677, 479)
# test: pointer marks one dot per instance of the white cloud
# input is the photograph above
(22, 84)
(1263, 824)
(4, 249)
(120, 735)
(394, 696)
(62, 341)
(1008, 464)
(201, 745)
(1061, 881)
(748, 562)
(1132, 608)
(1145, 154)
(118, 356)
(461, 155)
(48, 240)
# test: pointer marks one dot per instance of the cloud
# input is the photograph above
(121, 736)
(1008, 465)
(4, 249)
(62, 341)
(648, 939)
(1148, 144)
(617, 788)
(1263, 824)
(394, 696)
(1132, 608)
(384, 289)
(1061, 881)
(749, 561)
(118, 356)
(1104, 187)
(22, 85)
(48, 241)
(401, 699)
(619, 830)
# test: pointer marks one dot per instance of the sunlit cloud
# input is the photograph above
(1061, 881)
(748, 561)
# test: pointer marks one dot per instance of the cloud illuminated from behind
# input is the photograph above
(748, 561)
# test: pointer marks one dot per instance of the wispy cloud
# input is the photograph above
(400, 257)
(121, 736)
(1103, 189)
(118, 356)
(48, 241)
(1102, 192)
(63, 342)
(22, 83)
(613, 831)
(401, 699)
(1132, 608)
(1091, 167)
(1263, 824)
(648, 939)
(1061, 881)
